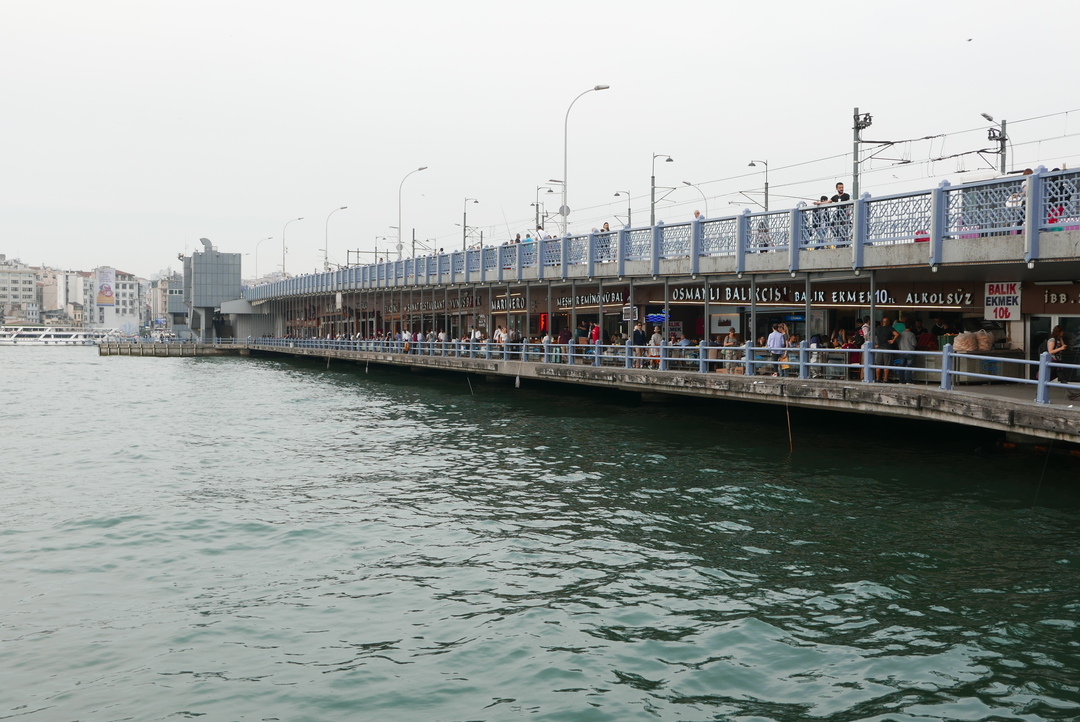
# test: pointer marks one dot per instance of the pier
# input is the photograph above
(1001, 402)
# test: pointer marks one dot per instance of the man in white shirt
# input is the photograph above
(777, 345)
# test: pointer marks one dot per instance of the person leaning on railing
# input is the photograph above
(1056, 346)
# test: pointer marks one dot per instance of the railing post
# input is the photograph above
(663, 354)
(1033, 220)
(564, 254)
(590, 256)
(629, 353)
(547, 350)
(539, 257)
(946, 368)
(858, 229)
(742, 240)
(939, 220)
(795, 236)
(506, 344)
(487, 349)
(622, 239)
(696, 233)
(749, 358)
(657, 238)
(1042, 395)
(597, 348)
(457, 347)
(517, 264)
(867, 361)
(802, 359)
(703, 356)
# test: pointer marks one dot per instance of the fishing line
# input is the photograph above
(790, 439)
(1043, 476)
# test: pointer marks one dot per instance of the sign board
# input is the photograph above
(106, 287)
(721, 323)
(629, 313)
(1002, 302)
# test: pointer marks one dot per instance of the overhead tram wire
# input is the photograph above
(524, 222)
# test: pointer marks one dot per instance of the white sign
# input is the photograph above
(1002, 302)
(721, 323)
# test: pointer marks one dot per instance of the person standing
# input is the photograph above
(1055, 346)
(884, 338)
(654, 346)
(564, 343)
(907, 341)
(777, 345)
(638, 342)
(731, 342)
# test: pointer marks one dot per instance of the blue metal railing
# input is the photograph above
(803, 361)
(1044, 201)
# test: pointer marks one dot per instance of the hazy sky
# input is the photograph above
(132, 129)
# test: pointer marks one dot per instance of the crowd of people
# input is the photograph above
(893, 342)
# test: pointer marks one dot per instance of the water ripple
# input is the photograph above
(253, 539)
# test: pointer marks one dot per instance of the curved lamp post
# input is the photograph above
(294, 220)
(565, 210)
(703, 198)
(764, 163)
(326, 239)
(257, 255)
(399, 246)
(619, 194)
(537, 204)
(998, 134)
(652, 197)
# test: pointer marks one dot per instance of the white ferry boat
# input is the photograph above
(53, 335)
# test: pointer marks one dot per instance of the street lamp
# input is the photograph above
(999, 135)
(326, 240)
(465, 223)
(399, 246)
(565, 210)
(617, 195)
(537, 204)
(257, 255)
(294, 220)
(703, 198)
(652, 197)
(753, 165)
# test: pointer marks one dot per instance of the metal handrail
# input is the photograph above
(801, 361)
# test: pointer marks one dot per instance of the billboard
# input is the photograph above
(106, 283)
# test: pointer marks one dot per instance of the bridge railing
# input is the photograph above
(804, 361)
(1045, 201)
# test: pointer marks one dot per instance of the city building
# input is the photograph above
(168, 314)
(210, 279)
(117, 304)
(19, 299)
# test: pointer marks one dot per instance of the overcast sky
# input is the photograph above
(132, 129)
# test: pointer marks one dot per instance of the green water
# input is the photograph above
(246, 539)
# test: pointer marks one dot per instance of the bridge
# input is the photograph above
(990, 222)
(931, 254)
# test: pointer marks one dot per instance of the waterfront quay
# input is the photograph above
(1024, 410)
(1010, 408)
